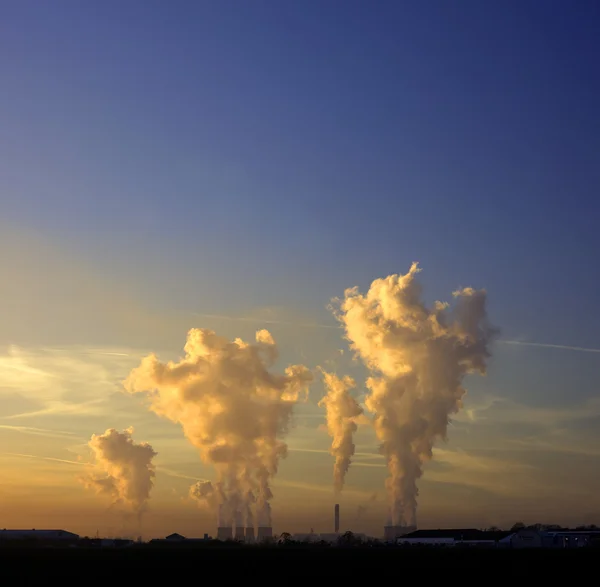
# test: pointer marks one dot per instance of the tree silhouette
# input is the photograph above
(285, 538)
(348, 539)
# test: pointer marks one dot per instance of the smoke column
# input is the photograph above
(128, 468)
(231, 407)
(341, 412)
(417, 358)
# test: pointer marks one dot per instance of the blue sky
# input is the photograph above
(160, 159)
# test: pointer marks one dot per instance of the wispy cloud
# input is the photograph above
(39, 431)
(357, 463)
(503, 477)
(61, 381)
(176, 474)
(465, 461)
(552, 445)
(317, 488)
(497, 409)
(59, 407)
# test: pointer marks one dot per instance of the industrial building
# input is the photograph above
(178, 539)
(555, 538)
(245, 534)
(331, 538)
(41, 535)
(525, 538)
(232, 527)
(463, 537)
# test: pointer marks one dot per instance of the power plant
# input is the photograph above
(245, 534)
(239, 532)
(235, 529)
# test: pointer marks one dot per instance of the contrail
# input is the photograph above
(37, 431)
(542, 345)
(550, 346)
(171, 473)
(17, 454)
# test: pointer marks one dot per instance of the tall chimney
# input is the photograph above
(337, 517)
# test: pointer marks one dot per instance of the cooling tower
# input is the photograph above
(337, 518)
(250, 538)
(224, 525)
(224, 533)
(239, 533)
(264, 533)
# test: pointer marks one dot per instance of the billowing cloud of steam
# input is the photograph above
(232, 408)
(128, 472)
(205, 494)
(342, 410)
(418, 358)
(212, 496)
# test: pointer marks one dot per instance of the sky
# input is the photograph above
(236, 165)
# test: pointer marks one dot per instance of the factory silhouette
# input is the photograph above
(233, 528)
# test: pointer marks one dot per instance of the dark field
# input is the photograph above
(286, 565)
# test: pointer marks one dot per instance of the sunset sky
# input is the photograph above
(234, 166)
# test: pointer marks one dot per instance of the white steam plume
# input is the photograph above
(342, 410)
(418, 358)
(128, 471)
(230, 406)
